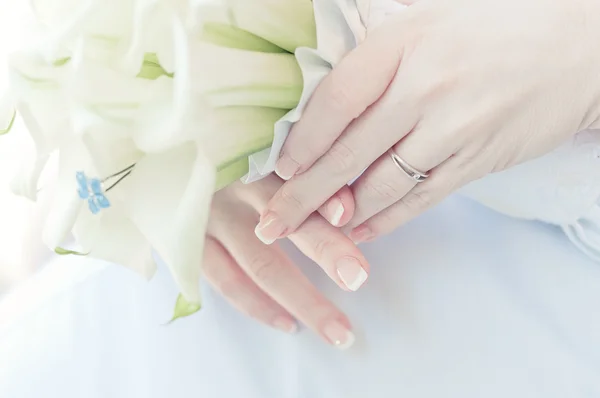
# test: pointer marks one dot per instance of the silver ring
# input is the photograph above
(410, 171)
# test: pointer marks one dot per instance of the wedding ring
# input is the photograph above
(410, 171)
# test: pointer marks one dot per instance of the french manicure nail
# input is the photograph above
(339, 335)
(285, 324)
(351, 273)
(269, 229)
(286, 167)
(361, 234)
(335, 212)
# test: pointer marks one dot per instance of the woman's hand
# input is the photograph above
(457, 89)
(261, 281)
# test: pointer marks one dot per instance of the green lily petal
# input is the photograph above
(224, 35)
(247, 130)
(288, 24)
(152, 69)
(282, 97)
(65, 252)
(10, 123)
(62, 61)
(184, 308)
(231, 173)
(268, 80)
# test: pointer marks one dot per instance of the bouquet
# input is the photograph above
(153, 105)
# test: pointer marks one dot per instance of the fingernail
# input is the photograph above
(269, 229)
(361, 234)
(351, 273)
(334, 211)
(339, 335)
(286, 167)
(285, 324)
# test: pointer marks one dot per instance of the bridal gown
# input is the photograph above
(462, 302)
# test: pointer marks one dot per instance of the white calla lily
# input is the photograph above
(115, 238)
(270, 80)
(167, 97)
(167, 197)
(66, 205)
(41, 101)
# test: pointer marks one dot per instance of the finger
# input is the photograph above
(222, 272)
(333, 251)
(444, 180)
(326, 245)
(392, 117)
(339, 209)
(384, 182)
(351, 87)
(276, 275)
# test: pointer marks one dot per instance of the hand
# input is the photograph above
(261, 281)
(456, 88)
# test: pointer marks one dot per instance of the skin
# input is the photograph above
(260, 280)
(510, 88)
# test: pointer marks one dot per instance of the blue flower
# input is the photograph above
(91, 189)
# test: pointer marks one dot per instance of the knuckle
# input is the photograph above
(229, 287)
(323, 248)
(382, 189)
(289, 198)
(342, 157)
(418, 199)
(264, 267)
(340, 99)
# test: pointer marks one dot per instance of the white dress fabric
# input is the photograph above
(462, 302)
(560, 188)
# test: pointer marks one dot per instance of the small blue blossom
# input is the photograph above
(92, 191)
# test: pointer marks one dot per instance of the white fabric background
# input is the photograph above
(461, 303)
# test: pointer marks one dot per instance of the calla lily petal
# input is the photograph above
(8, 114)
(288, 24)
(66, 205)
(228, 36)
(167, 197)
(113, 237)
(270, 80)
(160, 121)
